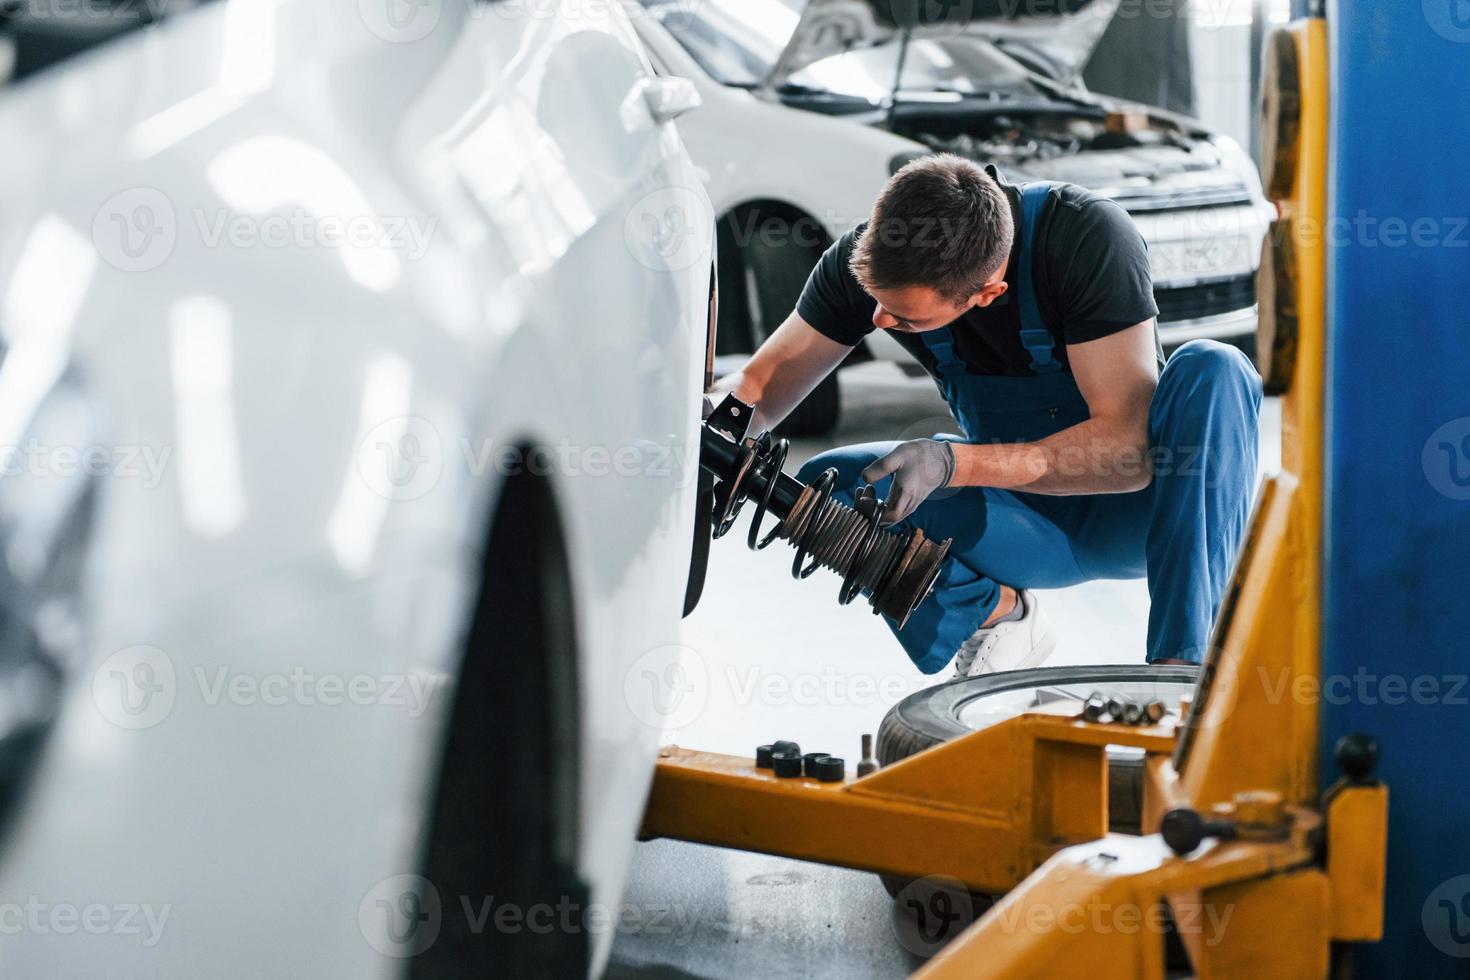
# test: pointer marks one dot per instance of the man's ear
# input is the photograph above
(988, 294)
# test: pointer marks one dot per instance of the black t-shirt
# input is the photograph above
(1090, 269)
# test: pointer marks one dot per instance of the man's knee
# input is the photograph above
(1201, 367)
(848, 461)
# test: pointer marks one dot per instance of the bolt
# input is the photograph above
(1095, 707)
(867, 764)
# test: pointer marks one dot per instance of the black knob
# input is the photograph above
(1184, 830)
(786, 765)
(830, 769)
(1357, 756)
(763, 756)
(786, 746)
(809, 763)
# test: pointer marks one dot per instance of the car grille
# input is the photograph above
(1205, 298)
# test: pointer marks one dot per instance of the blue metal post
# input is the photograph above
(1396, 631)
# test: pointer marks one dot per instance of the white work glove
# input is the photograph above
(919, 467)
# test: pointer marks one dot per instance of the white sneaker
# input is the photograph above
(1012, 645)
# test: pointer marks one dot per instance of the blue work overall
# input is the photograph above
(1182, 531)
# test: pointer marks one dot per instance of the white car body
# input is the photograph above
(260, 654)
(754, 149)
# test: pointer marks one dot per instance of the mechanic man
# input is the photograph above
(1083, 457)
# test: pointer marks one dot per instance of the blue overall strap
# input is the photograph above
(947, 363)
(1037, 340)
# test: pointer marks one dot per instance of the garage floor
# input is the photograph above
(768, 657)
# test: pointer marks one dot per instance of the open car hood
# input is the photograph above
(1064, 32)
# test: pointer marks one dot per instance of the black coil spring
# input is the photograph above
(846, 541)
(835, 536)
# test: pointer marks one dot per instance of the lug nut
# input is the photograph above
(1132, 713)
(763, 757)
(1154, 712)
(809, 762)
(783, 746)
(786, 765)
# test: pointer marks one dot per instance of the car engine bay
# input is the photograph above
(1125, 155)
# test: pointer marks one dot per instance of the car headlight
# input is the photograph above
(47, 493)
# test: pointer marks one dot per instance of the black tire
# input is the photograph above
(934, 715)
(760, 283)
(504, 820)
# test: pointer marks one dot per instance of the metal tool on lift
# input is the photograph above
(894, 567)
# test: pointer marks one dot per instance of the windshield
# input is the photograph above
(737, 43)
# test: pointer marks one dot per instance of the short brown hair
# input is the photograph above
(941, 222)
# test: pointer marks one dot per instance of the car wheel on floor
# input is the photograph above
(947, 711)
(764, 266)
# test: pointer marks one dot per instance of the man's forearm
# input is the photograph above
(1095, 456)
(782, 372)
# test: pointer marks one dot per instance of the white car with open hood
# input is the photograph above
(806, 115)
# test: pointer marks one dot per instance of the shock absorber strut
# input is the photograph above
(894, 567)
